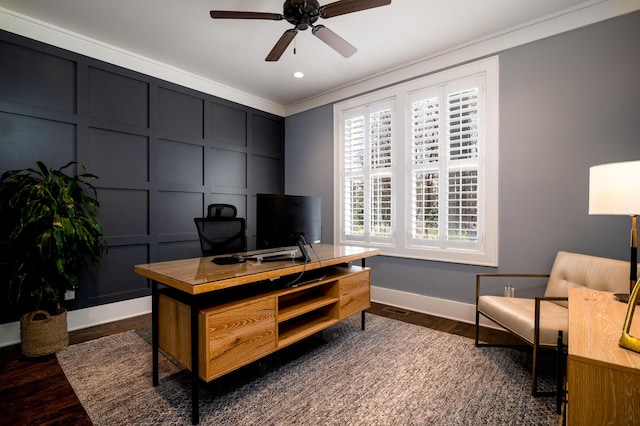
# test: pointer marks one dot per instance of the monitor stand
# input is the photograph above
(300, 242)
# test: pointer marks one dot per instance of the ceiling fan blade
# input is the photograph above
(334, 41)
(281, 45)
(342, 7)
(223, 14)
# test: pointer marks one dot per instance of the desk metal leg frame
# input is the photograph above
(195, 368)
(362, 326)
(154, 331)
(561, 391)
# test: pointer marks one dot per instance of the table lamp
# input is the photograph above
(614, 189)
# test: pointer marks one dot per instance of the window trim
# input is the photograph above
(488, 69)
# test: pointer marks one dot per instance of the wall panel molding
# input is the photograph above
(163, 152)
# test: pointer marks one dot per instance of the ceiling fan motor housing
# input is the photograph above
(301, 14)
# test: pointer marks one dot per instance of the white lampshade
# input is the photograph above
(615, 188)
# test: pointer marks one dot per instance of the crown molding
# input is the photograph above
(570, 19)
(586, 14)
(59, 37)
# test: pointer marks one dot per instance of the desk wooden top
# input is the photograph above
(200, 275)
(596, 319)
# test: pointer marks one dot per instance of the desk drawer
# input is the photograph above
(237, 336)
(355, 293)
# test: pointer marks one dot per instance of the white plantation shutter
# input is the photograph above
(354, 202)
(425, 206)
(425, 166)
(418, 179)
(462, 207)
(380, 139)
(380, 186)
(367, 165)
(380, 206)
(354, 145)
(463, 165)
(354, 128)
(444, 166)
(462, 124)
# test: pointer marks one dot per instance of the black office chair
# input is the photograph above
(221, 232)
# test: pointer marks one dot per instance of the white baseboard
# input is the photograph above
(443, 308)
(84, 318)
(89, 317)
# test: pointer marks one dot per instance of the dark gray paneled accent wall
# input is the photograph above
(566, 103)
(163, 153)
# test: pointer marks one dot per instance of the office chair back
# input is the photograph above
(221, 235)
(221, 210)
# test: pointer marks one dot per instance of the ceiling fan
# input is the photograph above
(304, 14)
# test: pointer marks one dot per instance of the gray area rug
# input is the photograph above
(393, 373)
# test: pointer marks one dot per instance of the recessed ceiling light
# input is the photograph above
(298, 74)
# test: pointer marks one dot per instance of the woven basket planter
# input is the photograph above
(41, 337)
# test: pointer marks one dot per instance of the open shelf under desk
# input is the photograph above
(302, 306)
(301, 327)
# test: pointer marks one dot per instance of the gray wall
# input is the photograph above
(566, 103)
(309, 158)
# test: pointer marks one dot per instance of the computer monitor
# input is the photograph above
(282, 219)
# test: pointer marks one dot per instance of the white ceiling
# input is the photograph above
(181, 34)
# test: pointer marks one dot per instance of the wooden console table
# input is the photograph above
(214, 318)
(603, 379)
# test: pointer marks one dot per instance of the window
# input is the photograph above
(416, 167)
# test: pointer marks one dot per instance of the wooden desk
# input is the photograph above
(214, 318)
(603, 379)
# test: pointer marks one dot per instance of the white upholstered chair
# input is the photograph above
(537, 321)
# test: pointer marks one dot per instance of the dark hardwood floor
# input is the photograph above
(36, 391)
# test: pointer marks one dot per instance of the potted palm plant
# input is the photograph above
(51, 232)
